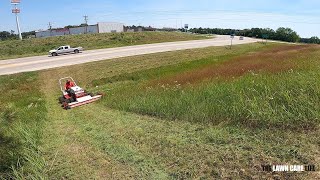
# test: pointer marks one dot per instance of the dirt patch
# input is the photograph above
(278, 59)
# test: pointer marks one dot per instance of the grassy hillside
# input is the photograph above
(41, 46)
(273, 90)
(209, 113)
(22, 117)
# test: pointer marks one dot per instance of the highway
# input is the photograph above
(36, 63)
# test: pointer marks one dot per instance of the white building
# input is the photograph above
(101, 27)
(107, 27)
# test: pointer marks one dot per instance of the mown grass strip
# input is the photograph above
(180, 149)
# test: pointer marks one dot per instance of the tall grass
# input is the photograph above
(212, 57)
(22, 114)
(40, 46)
(287, 99)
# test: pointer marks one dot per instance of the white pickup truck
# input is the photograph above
(64, 50)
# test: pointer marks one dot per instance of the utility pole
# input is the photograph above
(50, 28)
(231, 37)
(176, 24)
(86, 23)
(16, 11)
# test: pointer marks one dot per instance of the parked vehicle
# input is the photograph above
(64, 50)
(241, 38)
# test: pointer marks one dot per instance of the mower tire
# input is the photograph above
(62, 100)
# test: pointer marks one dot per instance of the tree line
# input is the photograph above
(5, 35)
(282, 34)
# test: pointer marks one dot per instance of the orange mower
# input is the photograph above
(75, 96)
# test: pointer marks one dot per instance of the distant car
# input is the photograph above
(241, 38)
(64, 50)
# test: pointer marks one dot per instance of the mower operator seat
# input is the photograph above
(76, 89)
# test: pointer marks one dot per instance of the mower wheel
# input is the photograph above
(62, 100)
(71, 100)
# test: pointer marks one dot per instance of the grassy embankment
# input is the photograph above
(41, 46)
(272, 88)
(211, 113)
(22, 115)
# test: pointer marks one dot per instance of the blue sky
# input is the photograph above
(301, 15)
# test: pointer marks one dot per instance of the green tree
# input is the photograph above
(314, 40)
(4, 35)
(287, 34)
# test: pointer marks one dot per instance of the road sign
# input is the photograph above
(16, 11)
(15, 1)
(186, 26)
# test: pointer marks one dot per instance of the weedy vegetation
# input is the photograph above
(22, 115)
(210, 113)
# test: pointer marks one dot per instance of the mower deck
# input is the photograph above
(84, 100)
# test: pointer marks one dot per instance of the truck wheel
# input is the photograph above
(54, 54)
(76, 51)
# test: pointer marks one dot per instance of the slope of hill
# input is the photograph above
(208, 113)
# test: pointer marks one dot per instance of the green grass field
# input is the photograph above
(210, 113)
(41, 46)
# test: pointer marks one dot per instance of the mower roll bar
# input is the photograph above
(65, 78)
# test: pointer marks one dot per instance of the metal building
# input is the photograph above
(84, 30)
(101, 27)
(107, 27)
(54, 32)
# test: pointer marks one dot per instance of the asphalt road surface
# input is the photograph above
(36, 63)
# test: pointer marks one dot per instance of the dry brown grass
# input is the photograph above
(274, 60)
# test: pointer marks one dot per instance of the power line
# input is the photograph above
(231, 19)
(210, 11)
(174, 12)
(251, 16)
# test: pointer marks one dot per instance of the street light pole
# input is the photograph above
(18, 26)
(16, 11)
